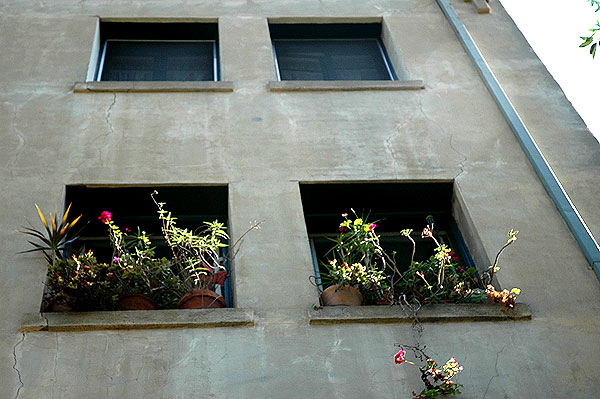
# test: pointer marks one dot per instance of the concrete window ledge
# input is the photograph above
(344, 85)
(464, 312)
(152, 87)
(138, 320)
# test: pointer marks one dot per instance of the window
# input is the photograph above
(330, 52)
(394, 206)
(132, 51)
(132, 207)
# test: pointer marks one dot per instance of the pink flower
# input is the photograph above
(399, 357)
(116, 259)
(105, 217)
(344, 215)
(426, 233)
(372, 226)
(127, 230)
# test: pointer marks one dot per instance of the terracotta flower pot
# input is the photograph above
(201, 299)
(135, 302)
(344, 296)
(59, 304)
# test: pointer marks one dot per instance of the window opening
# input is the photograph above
(132, 207)
(393, 206)
(330, 52)
(132, 51)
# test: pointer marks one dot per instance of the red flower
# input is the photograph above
(427, 233)
(399, 357)
(105, 217)
(372, 226)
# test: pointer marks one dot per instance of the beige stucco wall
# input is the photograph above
(262, 144)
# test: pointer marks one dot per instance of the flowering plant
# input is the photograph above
(437, 381)
(358, 259)
(136, 268)
(442, 278)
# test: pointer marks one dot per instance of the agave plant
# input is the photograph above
(56, 236)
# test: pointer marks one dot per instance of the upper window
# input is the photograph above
(132, 51)
(330, 52)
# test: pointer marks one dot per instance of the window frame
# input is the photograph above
(152, 30)
(330, 32)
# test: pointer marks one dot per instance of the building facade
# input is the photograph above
(283, 134)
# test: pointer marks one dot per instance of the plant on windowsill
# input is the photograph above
(143, 282)
(198, 259)
(440, 278)
(72, 281)
(356, 271)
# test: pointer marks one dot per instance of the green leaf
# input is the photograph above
(586, 41)
(593, 49)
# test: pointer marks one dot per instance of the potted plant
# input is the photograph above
(143, 282)
(356, 270)
(80, 283)
(68, 279)
(441, 278)
(197, 259)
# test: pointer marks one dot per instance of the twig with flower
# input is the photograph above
(437, 381)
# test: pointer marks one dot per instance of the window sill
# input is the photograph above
(153, 87)
(138, 320)
(466, 312)
(345, 85)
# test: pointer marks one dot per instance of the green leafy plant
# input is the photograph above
(136, 268)
(196, 254)
(82, 283)
(56, 237)
(589, 40)
(357, 259)
(441, 278)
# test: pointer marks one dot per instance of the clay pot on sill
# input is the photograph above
(59, 304)
(135, 302)
(341, 296)
(201, 299)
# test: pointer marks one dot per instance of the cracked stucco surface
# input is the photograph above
(262, 144)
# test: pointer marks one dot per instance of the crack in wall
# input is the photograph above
(487, 388)
(17, 132)
(21, 385)
(461, 164)
(111, 128)
(108, 112)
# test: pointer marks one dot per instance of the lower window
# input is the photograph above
(133, 211)
(393, 207)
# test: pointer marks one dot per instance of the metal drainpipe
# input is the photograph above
(563, 203)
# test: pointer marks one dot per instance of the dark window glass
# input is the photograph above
(335, 59)
(158, 61)
(330, 52)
